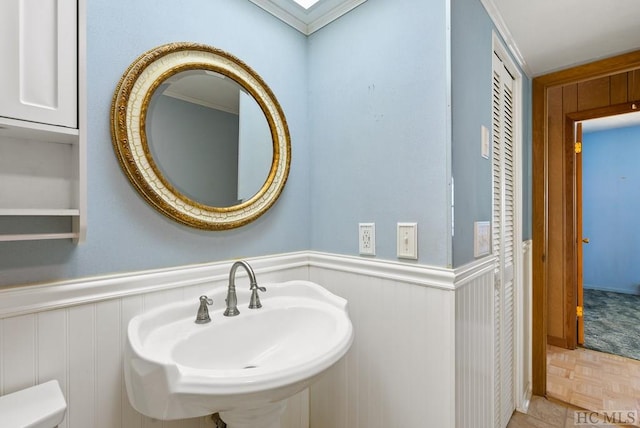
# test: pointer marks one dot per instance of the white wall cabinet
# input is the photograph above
(42, 132)
(38, 76)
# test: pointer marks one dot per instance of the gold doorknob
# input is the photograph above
(585, 240)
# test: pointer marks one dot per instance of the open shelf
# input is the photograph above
(38, 212)
(38, 224)
(37, 131)
(37, 236)
(39, 187)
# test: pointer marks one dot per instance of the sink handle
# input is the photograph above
(254, 303)
(203, 312)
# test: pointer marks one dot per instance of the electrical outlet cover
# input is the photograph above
(367, 239)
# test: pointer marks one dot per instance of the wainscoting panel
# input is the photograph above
(81, 371)
(475, 403)
(81, 344)
(524, 380)
(18, 352)
(422, 354)
(129, 307)
(400, 369)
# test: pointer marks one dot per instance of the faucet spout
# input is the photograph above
(232, 299)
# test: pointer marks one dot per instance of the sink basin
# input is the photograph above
(242, 367)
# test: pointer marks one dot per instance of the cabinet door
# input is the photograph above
(38, 66)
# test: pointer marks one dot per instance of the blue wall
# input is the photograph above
(471, 64)
(368, 102)
(611, 203)
(471, 59)
(379, 152)
(124, 233)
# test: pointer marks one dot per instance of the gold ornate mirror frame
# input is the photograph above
(129, 137)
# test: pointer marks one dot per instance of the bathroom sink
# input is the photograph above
(175, 368)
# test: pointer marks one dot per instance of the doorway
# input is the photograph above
(602, 88)
(582, 377)
(610, 234)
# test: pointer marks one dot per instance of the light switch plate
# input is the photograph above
(481, 238)
(485, 144)
(408, 241)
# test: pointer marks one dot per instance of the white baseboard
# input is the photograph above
(525, 400)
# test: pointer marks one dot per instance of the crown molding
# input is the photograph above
(503, 30)
(309, 20)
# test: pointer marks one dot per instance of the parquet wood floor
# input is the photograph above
(593, 380)
(547, 413)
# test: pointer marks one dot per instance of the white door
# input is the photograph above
(503, 239)
(39, 50)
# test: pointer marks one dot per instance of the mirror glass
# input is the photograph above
(209, 138)
(200, 136)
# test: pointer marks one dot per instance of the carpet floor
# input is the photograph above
(612, 323)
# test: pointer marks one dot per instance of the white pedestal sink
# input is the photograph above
(242, 367)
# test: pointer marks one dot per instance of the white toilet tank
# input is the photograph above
(41, 406)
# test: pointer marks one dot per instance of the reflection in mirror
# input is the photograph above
(220, 172)
(209, 138)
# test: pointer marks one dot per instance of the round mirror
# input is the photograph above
(200, 136)
(209, 138)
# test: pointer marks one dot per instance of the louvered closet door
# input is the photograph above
(503, 240)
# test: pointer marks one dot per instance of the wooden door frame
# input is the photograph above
(578, 139)
(540, 209)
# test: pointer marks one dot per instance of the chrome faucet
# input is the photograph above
(203, 312)
(232, 299)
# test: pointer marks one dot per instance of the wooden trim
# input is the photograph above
(593, 70)
(611, 110)
(540, 240)
(540, 231)
(557, 341)
(579, 233)
(570, 254)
